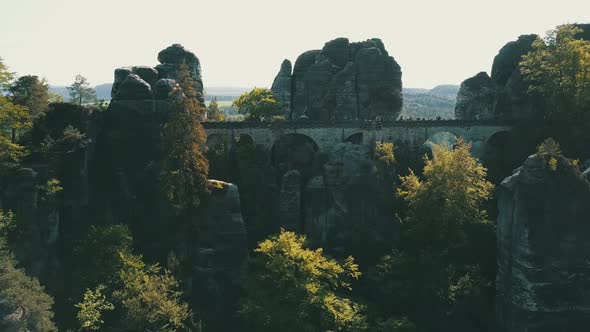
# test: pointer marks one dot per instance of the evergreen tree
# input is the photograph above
(185, 168)
(214, 113)
(81, 92)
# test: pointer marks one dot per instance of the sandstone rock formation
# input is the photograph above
(504, 95)
(219, 254)
(506, 87)
(140, 82)
(134, 88)
(343, 81)
(475, 99)
(290, 201)
(543, 248)
(281, 87)
(341, 195)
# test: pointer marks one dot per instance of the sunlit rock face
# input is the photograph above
(543, 232)
(342, 81)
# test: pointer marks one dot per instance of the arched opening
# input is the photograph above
(444, 138)
(355, 138)
(294, 152)
(215, 142)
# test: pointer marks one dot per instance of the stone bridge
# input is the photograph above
(327, 134)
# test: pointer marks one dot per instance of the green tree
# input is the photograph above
(259, 104)
(558, 70)
(149, 297)
(441, 276)
(21, 293)
(13, 117)
(293, 288)
(31, 92)
(104, 244)
(91, 309)
(81, 92)
(214, 113)
(451, 195)
(185, 168)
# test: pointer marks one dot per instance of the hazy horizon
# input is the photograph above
(242, 44)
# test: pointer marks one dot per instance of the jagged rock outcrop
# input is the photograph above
(512, 101)
(219, 254)
(172, 57)
(543, 233)
(344, 81)
(140, 82)
(134, 88)
(476, 98)
(164, 87)
(510, 98)
(281, 87)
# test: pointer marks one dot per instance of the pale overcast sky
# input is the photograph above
(243, 42)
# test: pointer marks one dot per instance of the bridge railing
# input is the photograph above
(370, 125)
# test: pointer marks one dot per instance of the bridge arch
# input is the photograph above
(444, 138)
(356, 138)
(294, 151)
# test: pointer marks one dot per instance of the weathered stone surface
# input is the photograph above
(379, 85)
(148, 74)
(220, 253)
(476, 98)
(316, 80)
(512, 101)
(347, 81)
(342, 195)
(281, 87)
(507, 59)
(164, 87)
(341, 101)
(299, 92)
(290, 201)
(134, 88)
(543, 248)
(120, 75)
(337, 51)
(172, 57)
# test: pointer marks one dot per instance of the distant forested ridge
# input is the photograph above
(438, 102)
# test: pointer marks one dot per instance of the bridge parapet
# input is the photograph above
(327, 134)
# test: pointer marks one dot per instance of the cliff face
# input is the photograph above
(543, 238)
(342, 81)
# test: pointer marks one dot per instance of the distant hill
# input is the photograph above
(103, 91)
(438, 102)
(418, 103)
